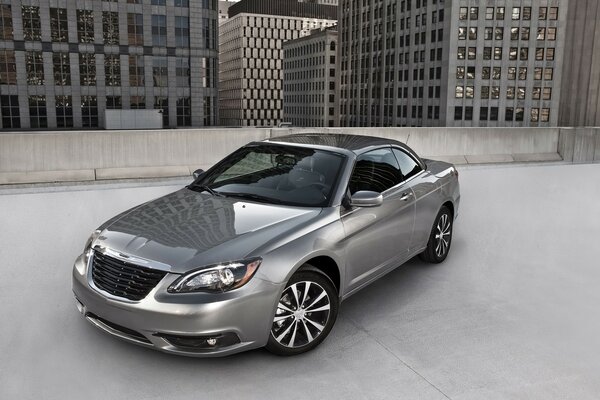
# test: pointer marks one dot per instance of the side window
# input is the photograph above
(408, 166)
(376, 170)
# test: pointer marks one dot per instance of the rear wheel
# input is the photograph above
(440, 238)
(305, 314)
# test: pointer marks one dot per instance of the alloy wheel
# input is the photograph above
(302, 314)
(442, 235)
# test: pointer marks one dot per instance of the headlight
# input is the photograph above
(217, 278)
(93, 236)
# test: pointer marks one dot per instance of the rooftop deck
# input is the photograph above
(511, 314)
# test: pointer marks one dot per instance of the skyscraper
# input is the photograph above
(61, 67)
(250, 47)
(451, 63)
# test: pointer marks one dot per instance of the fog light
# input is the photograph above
(200, 343)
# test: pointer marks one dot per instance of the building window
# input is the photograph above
(509, 115)
(487, 53)
(526, 13)
(499, 13)
(470, 72)
(550, 54)
(470, 92)
(183, 71)
(535, 114)
(182, 3)
(548, 74)
(553, 13)
(182, 31)
(536, 93)
(37, 112)
(210, 33)
(545, 116)
(162, 103)
(483, 113)
(488, 33)
(499, 33)
(136, 71)
(8, 67)
(113, 103)
(521, 91)
(524, 53)
(473, 33)
(6, 25)
(9, 109)
(485, 73)
(135, 29)
(112, 70)
(512, 53)
(539, 54)
(472, 54)
(208, 111)
(537, 73)
(522, 73)
(159, 2)
(547, 93)
(551, 34)
(87, 69)
(460, 92)
(460, 72)
(110, 27)
(463, 13)
(59, 26)
(64, 111)
(489, 13)
(32, 26)
(62, 69)
(495, 94)
(474, 13)
(541, 34)
(137, 102)
(461, 53)
(458, 113)
(510, 93)
(89, 111)
(160, 71)
(512, 73)
(462, 33)
(485, 92)
(184, 111)
(519, 114)
(159, 30)
(35, 67)
(516, 13)
(493, 113)
(525, 33)
(85, 26)
(543, 13)
(497, 53)
(514, 33)
(468, 113)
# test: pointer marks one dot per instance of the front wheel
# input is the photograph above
(305, 314)
(440, 238)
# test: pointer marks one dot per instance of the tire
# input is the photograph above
(295, 329)
(438, 247)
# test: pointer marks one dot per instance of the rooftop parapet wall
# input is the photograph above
(29, 157)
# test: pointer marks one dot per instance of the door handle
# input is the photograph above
(406, 196)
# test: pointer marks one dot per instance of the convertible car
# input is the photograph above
(261, 249)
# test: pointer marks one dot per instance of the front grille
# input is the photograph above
(123, 279)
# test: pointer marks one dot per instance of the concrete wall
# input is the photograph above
(89, 155)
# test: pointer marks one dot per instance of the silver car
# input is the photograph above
(261, 249)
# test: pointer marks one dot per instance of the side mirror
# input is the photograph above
(366, 198)
(198, 173)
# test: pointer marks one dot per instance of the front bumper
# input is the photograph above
(245, 313)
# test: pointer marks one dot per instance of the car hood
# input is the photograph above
(186, 230)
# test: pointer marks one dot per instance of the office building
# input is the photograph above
(309, 79)
(451, 63)
(63, 63)
(251, 56)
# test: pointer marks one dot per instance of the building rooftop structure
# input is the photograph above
(510, 314)
(287, 8)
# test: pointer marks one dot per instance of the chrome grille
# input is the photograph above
(123, 279)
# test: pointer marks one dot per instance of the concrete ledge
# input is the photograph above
(489, 158)
(8, 178)
(141, 172)
(537, 157)
(456, 160)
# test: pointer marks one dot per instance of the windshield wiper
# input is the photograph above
(256, 197)
(205, 188)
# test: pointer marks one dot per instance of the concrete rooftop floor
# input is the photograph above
(513, 313)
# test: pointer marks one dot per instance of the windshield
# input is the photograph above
(275, 174)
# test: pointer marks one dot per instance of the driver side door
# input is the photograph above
(377, 238)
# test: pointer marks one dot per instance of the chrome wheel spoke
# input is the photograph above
(284, 307)
(308, 334)
(322, 308)
(293, 338)
(285, 332)
(315, 324)
(282, 317)
(306, 288)
(319, 297)
(294, 289)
